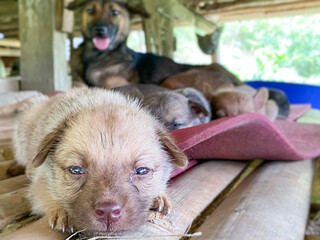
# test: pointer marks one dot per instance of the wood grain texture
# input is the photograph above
(43, 58)
(271, 204)
(13, 184)
(13, 205)
(4, 165)
(191, 193)
(6, 152)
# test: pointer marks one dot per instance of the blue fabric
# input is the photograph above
(297, 93)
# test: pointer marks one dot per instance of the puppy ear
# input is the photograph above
(260, 98)
(47, 146)
(197, 109)
(137, 10)
(136, 93)
(76, 4)
(177, 156)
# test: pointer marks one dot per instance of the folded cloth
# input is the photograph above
(250, 136)
(297, 111)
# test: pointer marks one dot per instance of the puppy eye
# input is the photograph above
(177, 125)
(114, 12)
(90, 11)
(142, 171)
(76, 170)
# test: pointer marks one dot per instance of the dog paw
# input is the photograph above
(162, 204)
(58, 220)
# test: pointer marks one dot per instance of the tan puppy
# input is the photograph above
(227, 97)
(243, 99)
(96, 161)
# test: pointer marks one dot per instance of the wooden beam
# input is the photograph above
(275, 10)
(9, 84)
(43, 58)
(64, 17)
(265, 205)
(11, 43)
(13, 184)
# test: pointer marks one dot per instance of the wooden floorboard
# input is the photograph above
(4, 165)
(191, 193)
(271, 204)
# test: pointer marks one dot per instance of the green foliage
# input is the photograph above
(284, 43)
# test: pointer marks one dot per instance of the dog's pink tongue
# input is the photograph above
(101, 43)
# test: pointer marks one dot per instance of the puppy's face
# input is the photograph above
(231, 103)
(174, 110)
(105, 22)
(106, 167)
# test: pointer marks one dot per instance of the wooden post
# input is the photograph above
(43, 49)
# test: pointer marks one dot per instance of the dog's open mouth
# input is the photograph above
(101, 43)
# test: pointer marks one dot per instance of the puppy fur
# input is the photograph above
(177, 109)
(107, 136)
(226, 96)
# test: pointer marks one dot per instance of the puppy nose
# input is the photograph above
(108, 212)
(100, 30)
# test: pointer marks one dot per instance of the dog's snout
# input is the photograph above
(101, 30)
(108, 212)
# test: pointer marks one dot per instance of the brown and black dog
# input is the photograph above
(104, 60)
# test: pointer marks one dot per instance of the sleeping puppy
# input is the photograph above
(230, 98)
(243, 99)
(96, 161)
(175, 109)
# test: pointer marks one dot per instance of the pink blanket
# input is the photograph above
(251, 136)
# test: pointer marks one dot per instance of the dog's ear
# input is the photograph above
(76, 4)
(260, 98)
(136, 93)
(137, 10)
(197, 109)
(177, 156)
(47, 146)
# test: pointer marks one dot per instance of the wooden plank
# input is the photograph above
(272, 203)
(9, 84)
(64, 17)
(13, 184)
(315, 198)
(7, 122)
(6, 152)
(191, 193)
(6, 135)
(9, 52)
(4, 165)
(43, 49)
(13, 43)
(13, 205)
(275, 10)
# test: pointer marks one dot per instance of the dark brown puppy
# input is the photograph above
(104, 60)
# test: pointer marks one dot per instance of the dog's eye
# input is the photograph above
(142, 171)
(114, 12)
(76, 170)
(177, 125)
(90, 11)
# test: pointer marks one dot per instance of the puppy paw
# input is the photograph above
(58, 220)
(162, 204)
